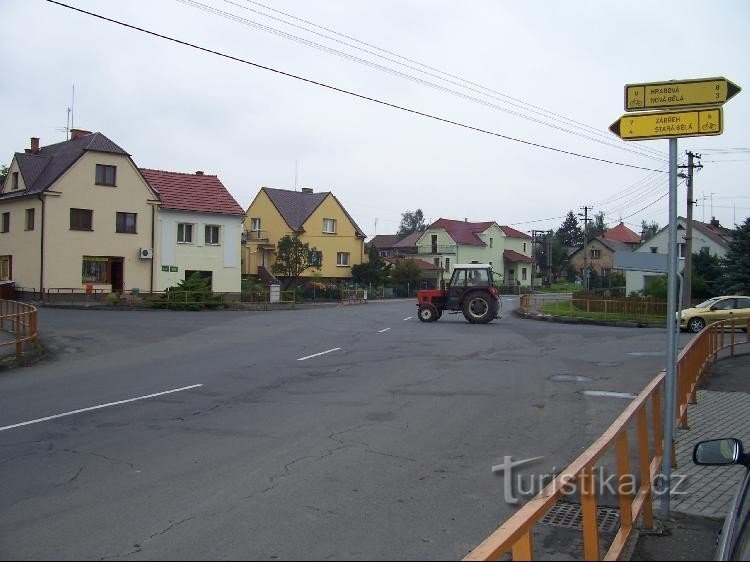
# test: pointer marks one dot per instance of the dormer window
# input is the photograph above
(106, 175)
(14, 181)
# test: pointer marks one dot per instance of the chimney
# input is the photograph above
(715, 223)
(76, 134)
(34, 145)
(199, 173)
(466, 219)
(307, 190)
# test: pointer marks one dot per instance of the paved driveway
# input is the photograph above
(350, 432)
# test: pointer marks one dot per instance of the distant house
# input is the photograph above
(319, 219)
(77, 213)
(199, 230)
(447, 242)
(622, 233)
(711, 237)
(600, 256)
(394, 245)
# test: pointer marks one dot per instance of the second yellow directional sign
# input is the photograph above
(679, 94)
(669, 124)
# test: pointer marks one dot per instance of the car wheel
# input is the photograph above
(695, 325)
(479, 308)
(427, 312)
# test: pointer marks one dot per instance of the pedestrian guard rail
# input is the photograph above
(18, 324)
(642, 418)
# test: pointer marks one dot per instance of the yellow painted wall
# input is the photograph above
(272, 223)
(65, 248)
(21, 244)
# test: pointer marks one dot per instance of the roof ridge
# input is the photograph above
(204, 175)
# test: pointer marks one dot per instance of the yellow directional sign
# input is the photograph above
(669, 124)
(679, 94)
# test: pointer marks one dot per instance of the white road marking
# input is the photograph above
(48, 418)
(383, 330)
(408, 318)
(318, 354)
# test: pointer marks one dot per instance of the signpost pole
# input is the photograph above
(671, 380)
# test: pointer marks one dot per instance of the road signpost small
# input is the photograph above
(690, 108)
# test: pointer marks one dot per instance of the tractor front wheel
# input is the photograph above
(428, 312)
(479, 308)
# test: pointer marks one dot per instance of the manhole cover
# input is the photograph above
(569, 516)
(569, 378)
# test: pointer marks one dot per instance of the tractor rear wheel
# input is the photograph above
(428, 312)
(479, 307)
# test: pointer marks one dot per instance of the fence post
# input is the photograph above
(588, 507)
(19, 336)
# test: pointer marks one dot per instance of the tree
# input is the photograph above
(375, 271)
(649, 230)
(570, 233)
(3, 173)
(293, 258)
(406, 272)
(596, 227)
(707, 274)
(736, 279)
(411, 223)
(557, 258)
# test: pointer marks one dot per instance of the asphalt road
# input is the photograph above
(380, 449)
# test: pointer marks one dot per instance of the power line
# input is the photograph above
(348, 92)
(435, 72)
(239, 19)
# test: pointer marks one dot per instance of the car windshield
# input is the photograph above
(707, 303)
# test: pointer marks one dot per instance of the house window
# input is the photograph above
(524, 247)
(126, 222)
(212, 234)
(5, 227)
(434, 244)
(436, 262)
(95, 269)
(316, 258)
(29, 219)
(185, 233)
(14, 184)
(342, 259)
(6, 269)
(448, 264)
(523, 274)
(706, 249)
(654, 250)
(106, 175)
(491, 241)
(255, 224)
(596, 254)
(329, 226)
(81, 219)
(681, 250)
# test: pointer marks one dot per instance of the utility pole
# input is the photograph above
(586, 220)
(687, 272)
(535, 240)
(549, 257)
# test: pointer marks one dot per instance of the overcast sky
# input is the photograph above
(563, 63)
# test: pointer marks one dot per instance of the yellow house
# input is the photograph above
(77, 213)
(318, 219)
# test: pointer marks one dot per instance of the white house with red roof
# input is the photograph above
(447, 242)
(199, 230)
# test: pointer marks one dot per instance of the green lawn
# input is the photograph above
(565, 308)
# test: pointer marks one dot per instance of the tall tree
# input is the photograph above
(3, 173)
(406, 272)
(649, 230)
(570, 232)
(596, 227)
(707, 274)
(293, 258)
(375, 271)
(411, 222)
(736, 279)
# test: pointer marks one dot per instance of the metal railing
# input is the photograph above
(257, 236)
(515, 535)
(19, 320)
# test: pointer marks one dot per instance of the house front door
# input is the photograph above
(116, 274)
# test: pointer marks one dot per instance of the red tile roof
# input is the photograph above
(421, 264)
(622, 233)
(192, 192)
(516, 257)
(463, 232)
(513, 233)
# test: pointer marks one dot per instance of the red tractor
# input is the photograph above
(471, 290)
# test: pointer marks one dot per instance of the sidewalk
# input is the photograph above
(701, 503)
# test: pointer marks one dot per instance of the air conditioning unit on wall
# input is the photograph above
(146, 253)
